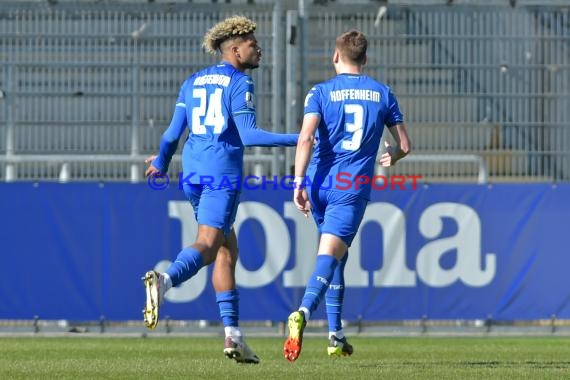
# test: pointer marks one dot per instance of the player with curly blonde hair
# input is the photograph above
(216, 104)
(233, 27)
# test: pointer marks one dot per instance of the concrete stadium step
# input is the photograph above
(421, 81)
(452, 108)
(450, 137)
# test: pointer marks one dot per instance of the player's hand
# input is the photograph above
(301, 200)
(151, 169)
(389, 157)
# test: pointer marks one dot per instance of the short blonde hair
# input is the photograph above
(352, 46)
(232, 27)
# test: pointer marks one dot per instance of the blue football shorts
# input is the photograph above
(214, 207)
(338, 213)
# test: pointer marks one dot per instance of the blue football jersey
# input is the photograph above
(212, 98)
(353, 111)
(217, 106)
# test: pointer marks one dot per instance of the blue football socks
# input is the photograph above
(334, 297)
(187, 264)
(228, 302)
(319, 281)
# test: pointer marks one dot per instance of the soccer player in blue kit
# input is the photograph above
(216, 104)
(347, 114)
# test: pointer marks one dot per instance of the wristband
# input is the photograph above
(299, 182)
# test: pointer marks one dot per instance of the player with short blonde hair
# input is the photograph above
(348, 114)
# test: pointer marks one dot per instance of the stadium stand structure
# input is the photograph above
(88, 87)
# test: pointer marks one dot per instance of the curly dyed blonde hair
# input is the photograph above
(231, 27)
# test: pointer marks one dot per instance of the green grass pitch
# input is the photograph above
(168, 358)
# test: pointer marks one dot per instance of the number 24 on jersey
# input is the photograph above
(208, 113)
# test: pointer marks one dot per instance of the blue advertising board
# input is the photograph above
(77, 251)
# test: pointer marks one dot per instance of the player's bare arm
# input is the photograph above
(402, 148)
(302, 156)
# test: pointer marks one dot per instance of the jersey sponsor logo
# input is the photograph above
(354, 94)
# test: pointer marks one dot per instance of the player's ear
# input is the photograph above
(365, 60)
(336, 56)
(235, 50)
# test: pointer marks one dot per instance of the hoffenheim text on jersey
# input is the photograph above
(354, 94)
